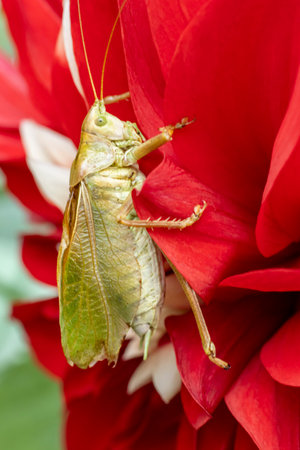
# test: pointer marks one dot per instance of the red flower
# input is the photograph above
(234, 67)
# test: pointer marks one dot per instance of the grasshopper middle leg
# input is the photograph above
(131, 157)
(177, 224)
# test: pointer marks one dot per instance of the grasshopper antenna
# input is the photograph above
(107, 48)
(85, 52)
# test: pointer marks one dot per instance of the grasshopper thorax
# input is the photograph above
(104, 141)
(99, 123)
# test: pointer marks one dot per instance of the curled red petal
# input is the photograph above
(281, 354)
(267, 410)
(281, 278)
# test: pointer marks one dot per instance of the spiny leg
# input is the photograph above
(131, 157)
(177, 224)
(207, 344)
(116, 98)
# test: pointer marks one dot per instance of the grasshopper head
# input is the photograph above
(99, 122)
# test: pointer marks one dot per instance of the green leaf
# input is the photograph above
(30, 413)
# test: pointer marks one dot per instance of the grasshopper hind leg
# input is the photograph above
(131, 157)
(207, 344)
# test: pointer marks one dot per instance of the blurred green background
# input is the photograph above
(30, 402)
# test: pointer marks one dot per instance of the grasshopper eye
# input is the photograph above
(100, 121)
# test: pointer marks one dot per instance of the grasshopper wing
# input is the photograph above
(99, 281)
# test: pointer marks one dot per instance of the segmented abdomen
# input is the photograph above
(111, 274)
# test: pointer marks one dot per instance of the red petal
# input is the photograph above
(232, 330)
(80, 383)
(167, 19)
(281, 354)
(187, 436)
(56, 5)
(243, 441)
(195, 413)
(198, 252)
(222, 74)
(145, 77)
(279, 216)
(219, 432)
(39, 254)
(10, 145)
(111, 419)
(285, 278)
(72, 108)
(43, 333)
(15, 104)
(97, 21)
(267, 410)
(160, 425)
(34, 26)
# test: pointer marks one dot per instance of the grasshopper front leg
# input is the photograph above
(136, 153)
(110, 99)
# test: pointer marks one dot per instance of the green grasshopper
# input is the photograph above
(110, 273)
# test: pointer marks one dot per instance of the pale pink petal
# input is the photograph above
(161, 368)
(69, 49)
(49, 156)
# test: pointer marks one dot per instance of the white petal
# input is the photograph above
(69, 48)
(166, 377)
(161, 368)
(49, 156)
(141, 376)
(133, 348)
